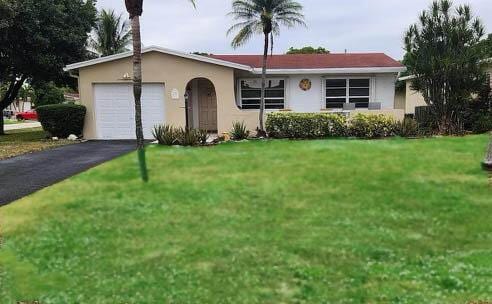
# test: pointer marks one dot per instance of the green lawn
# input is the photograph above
(11, 121)
(329, 221)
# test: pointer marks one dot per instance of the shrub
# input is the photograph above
(482, 123)
(408, 127)
(306, 125)
(165, 134)
(47, 93)
(372, 126)
(239, 131)
(61, 120)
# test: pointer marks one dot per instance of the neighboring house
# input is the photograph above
(72, 97)
(222, 89)
(20, 105)
(415, 99)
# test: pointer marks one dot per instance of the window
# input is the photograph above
(347, 90)
(250, 94)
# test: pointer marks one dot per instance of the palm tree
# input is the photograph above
(263, 17)
(111, 34)
(135, 10)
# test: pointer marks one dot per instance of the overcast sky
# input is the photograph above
(355, 25)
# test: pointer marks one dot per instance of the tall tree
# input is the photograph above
(263, 17)
(442, 54)
(38, 38)
(135, 10)
(111, 34)
(307, 50)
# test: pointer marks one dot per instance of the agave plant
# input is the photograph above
(164, 134)
(239, 131)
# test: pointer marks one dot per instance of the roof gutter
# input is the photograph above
(370, 70)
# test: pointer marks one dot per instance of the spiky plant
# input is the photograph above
(443, 57)
(263, 17)
(135, 10)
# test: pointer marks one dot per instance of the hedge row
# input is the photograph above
(323, 125)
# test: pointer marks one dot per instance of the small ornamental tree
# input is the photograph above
(443, 57)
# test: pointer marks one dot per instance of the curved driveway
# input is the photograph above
(25, 174)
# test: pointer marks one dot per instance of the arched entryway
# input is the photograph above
(201, 105)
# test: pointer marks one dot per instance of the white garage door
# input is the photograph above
(115, 110)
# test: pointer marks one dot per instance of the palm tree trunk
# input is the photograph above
(137, 92)
(263, 86)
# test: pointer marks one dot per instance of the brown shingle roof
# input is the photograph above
(314, 61)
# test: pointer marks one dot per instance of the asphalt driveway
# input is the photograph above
(25, 174)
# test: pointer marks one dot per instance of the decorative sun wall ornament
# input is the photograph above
(305, 84)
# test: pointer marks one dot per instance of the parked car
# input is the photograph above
(27, 115)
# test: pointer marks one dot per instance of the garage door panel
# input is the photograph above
(115, 112)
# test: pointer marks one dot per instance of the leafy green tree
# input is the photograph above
(263, 17)
(442, 55)
(46, 93)
(485, 47)
(135, 10)
(38, 38)
(111, 34)
(307, 50)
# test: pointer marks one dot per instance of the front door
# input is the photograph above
(207, 103)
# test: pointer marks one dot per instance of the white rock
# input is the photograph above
(72, 137)
(54, 138)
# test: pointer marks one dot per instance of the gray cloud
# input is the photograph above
(355, 25)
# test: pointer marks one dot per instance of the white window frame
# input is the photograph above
(240, 97)
(347, 90)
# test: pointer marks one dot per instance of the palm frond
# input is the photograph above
(263, 16)
(243, 36)
(111, 34)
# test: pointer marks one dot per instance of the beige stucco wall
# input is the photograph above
(400, 99)
(412, 99)
(174, 72)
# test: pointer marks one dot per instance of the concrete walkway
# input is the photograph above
(24, 125)
(28, 173)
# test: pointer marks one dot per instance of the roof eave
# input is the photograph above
(83, 64)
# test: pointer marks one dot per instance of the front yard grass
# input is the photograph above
(11, 121)
(17, 142)
(328, 221)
